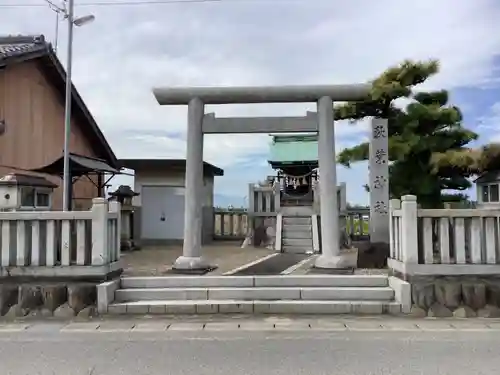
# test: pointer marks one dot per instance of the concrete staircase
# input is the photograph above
(300, 294)
(297, 235)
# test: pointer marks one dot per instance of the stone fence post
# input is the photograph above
(409, 229)
(277, 196)
(100, 253)
(394, 204)
(115, 207)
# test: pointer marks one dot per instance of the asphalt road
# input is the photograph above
(46, 351)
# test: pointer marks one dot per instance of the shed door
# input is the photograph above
(162, 212)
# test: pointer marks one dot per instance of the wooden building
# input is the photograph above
(32, 99)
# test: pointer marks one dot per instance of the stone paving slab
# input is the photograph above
(292, 326)
(46, 327)
(221, 326)
(364, 325)
(401, 326)
(328, 326)
(256, 326)
(186, 327)
(264, 325)
(81, 327)
(151, 327)
(435, 325)
(116, 326)
(13, 327)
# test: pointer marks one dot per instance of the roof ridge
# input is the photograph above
(22, 39)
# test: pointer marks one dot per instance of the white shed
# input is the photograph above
(159, 207)
(487, 187)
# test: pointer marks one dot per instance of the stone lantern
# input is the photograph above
(124, 195)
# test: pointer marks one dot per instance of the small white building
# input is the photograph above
(488, 190)
(159, 207)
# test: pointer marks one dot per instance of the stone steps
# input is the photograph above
(305, 243)
(302, 233)
(299, 220)
(257, 293)
(254, 281)
(297, 249)
(254, 307)
(300, 294)
(297, 235)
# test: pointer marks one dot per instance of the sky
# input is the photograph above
(129, 49)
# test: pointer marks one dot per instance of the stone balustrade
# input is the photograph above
(356, 221)
(233, 223)
(61, 244)
(51, 262)
(263, 200)
(230, 224)
(450, 256)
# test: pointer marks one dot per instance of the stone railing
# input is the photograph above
(61, 244)
(341, 197)
(356, 221)
(449, 241)
(263, 200)
(450, 256)
(230, 223)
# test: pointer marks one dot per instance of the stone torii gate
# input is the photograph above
(197, 97)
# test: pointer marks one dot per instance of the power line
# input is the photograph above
(130, 3)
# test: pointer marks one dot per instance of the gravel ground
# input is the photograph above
(155, 261)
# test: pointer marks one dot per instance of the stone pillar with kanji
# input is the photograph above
(379, 181)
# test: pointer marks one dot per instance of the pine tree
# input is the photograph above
(426, 138)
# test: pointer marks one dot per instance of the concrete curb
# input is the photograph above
(402, 293)
(106, 294)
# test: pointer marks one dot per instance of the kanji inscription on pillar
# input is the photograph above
(380, 156)
(379, 131)
(380, 207)
(379, 181)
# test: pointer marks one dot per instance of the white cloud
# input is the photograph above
(128, 50)
(489, 124)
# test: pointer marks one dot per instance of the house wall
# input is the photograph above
(479, 196)
(173, 178)
(34, 135)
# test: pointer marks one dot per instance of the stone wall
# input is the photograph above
(459, 296)
(59, 300)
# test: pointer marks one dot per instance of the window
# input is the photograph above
(485, 193)
(494, 193)
(27, 197)
(31, 197)
(490, 193)
(42, 199)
